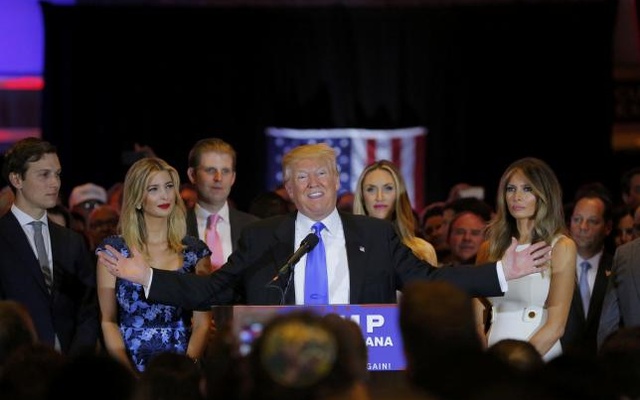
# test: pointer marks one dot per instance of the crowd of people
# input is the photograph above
(123, 280)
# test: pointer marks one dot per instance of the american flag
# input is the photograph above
(355, 149)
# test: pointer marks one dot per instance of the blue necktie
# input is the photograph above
(583, 284)
(316, 285)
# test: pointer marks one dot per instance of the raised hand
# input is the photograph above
(534, 258)
(134, 268)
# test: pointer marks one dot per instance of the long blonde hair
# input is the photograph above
(132, 225)
(402, 214)
(549, 215)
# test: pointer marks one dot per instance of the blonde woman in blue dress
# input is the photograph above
(152, 224)
(535, 307)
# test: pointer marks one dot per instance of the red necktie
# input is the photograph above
(213, 241)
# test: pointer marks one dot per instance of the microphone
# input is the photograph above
(306, 245)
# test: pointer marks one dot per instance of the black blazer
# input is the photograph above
(71, 310)
(237, 219)
(379, 264)
(580, 332)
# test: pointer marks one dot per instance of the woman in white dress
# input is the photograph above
(535, 307)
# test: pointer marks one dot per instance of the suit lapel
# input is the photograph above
(635, 272)
(233, 223)
(58, 252)
(192, 223)
(13, 233)
(284, 247)
(600, 285)
(356, 257)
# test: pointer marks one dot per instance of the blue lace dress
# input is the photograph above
(151, 328)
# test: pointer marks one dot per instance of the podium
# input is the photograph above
(378, 323)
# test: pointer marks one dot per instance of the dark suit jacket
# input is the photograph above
(71, 310)
(237, 219)
(580, 333)
(621, 306)
(379, 264)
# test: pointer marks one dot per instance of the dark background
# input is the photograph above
(491, 82)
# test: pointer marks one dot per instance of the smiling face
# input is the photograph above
(379, 193)
(313, 186)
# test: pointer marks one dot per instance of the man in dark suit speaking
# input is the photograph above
(365, 260)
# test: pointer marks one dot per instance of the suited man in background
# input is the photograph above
(59, 292)
(621, 306)
(212, 170)
(365, 259)
(590, 224)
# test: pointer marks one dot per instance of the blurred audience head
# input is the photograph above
(98, 376)
(103, 222)
(170, 376)
(302, 355)
(60, 215)
(518, 355)
(189, 194)
(267, 204)
(630, 187)
(29, 372)
(16, 328)
(84, 198)
(439, 336)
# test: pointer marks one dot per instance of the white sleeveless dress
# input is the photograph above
(521, 311)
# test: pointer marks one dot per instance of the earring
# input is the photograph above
(138, 207)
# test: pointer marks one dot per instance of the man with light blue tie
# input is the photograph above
(590, 223)
(366, 262)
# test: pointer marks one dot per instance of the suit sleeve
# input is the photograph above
(610, 317)
(88, 326)
(477, 281)
(190, 291)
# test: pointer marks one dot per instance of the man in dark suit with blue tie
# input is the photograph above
(58, 288)
(366, 261)
(590, 223)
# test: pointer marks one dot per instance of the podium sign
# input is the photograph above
(378, 323)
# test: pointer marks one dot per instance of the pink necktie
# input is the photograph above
(213, 241)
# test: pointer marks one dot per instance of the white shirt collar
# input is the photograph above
(25, 219)
(223, 213)
(594, 261)
(332, 222)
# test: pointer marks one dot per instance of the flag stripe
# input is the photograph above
(355, 149)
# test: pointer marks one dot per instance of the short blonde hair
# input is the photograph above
(320, 151)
